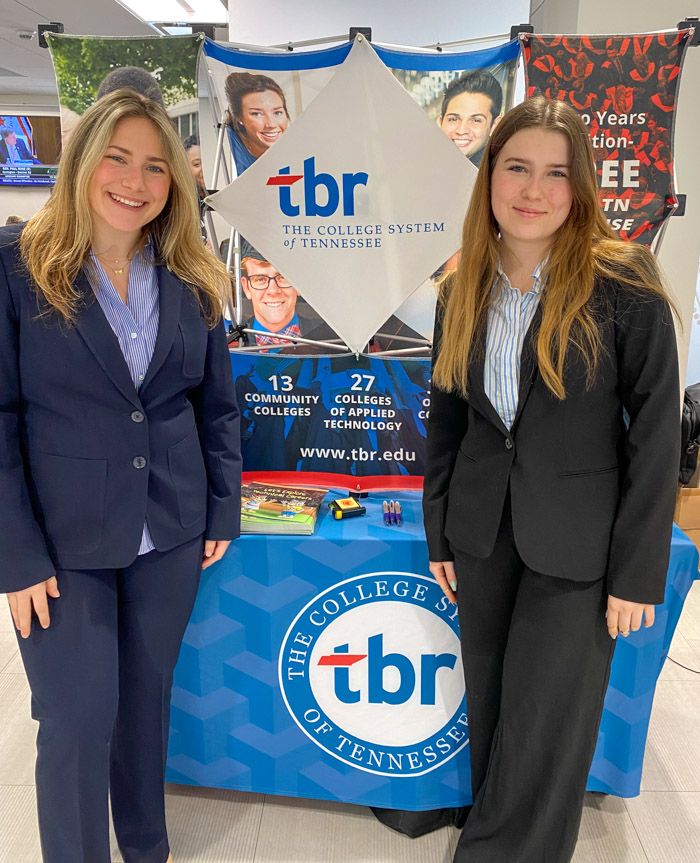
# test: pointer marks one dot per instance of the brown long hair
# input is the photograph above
(240, 84)
(583, 249)
(56, 242)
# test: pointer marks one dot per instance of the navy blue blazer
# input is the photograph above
(84, 458)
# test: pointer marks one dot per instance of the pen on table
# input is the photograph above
(392, 513)
(398, 513)
(385, 510)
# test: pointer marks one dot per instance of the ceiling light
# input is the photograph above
(184, 11)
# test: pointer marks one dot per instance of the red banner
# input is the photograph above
(625, 89)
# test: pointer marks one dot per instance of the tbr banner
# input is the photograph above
(264, 97)
(333, 415)
(160, 69)
(358, 219)
(261, 94)
(625, 89)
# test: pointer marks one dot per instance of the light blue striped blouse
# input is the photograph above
(135, 323)
(509, 316)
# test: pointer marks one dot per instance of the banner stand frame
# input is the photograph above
(221, 162)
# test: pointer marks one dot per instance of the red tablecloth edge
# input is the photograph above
(336, 480)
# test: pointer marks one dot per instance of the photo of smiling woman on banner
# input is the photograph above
(257, 116)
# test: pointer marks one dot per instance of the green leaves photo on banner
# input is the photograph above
(82, 62)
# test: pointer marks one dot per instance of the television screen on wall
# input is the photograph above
(29, 149)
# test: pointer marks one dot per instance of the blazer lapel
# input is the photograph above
(97, 334)
(477, 393)
(170, 299)
(528, 362)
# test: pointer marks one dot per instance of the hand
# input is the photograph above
(214, 550)
(444, 574)
(22, 602)
(623, 615)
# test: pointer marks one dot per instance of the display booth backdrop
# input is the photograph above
(82, 62)
(302, 75)
(338, 210)
(349, 417)
(600, 76)
(625, 88)
(598, 81)
(355, 113)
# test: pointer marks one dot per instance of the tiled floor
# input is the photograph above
(662, 825)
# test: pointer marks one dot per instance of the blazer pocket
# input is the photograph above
(467, 456)
(194, 334)
(593, 471)
(189, 476)
(70, 494)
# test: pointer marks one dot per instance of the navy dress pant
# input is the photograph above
(536, 655)
(101, 677)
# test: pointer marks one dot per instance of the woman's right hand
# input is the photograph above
(22, 602)
(444, 573)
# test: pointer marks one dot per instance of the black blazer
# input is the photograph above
(592, 478)
(84, 458)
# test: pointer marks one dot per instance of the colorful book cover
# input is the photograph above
(282, 509)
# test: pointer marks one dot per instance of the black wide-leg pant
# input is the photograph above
(101, 677)
(536, 655)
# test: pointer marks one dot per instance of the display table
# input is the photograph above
(328, 667)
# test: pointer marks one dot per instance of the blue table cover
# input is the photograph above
(248, 712)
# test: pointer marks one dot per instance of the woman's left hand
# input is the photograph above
(623, 616)
(214, 550)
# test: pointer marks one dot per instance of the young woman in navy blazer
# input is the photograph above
(119, 467)
(551, 473)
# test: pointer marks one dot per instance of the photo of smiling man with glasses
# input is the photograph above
(274, 302)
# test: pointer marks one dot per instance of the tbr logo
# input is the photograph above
(371, 671)
(312, 182)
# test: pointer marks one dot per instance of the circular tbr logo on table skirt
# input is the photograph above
(371, 671)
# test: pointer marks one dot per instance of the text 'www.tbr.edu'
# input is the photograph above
(358, 454)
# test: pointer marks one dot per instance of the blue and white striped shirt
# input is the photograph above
(509, 316)
(135, 323)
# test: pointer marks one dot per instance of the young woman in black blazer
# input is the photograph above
(551, 472)
(119, 467)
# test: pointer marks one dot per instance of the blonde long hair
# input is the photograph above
(583, 249)
(56, 242)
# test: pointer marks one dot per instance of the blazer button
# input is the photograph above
(509, 443)
(138, 462)
(137, 416)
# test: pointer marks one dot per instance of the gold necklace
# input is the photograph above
(119, 270)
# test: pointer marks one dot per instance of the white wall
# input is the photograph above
(399, 22)
(21, 201)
